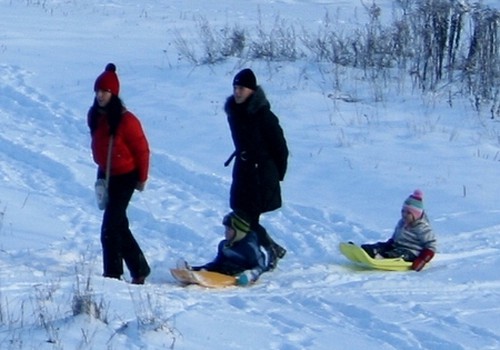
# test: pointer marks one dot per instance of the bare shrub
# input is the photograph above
(84, 301)
(215, 45)
(150, 313)
(277, 44)
(185, 49)
(327, 45)
(482, 66)
(233, 41)
(437, 43)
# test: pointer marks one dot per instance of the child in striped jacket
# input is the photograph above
(413, 238)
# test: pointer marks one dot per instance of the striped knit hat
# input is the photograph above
(238, 224)
(414, 204)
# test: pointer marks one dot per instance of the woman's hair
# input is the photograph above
(113, 110)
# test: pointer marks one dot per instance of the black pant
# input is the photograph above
(262, 236)
(388, 250)
(118, 244)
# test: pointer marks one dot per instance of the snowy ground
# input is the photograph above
(351, 167)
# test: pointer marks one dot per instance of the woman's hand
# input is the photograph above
(140, 186)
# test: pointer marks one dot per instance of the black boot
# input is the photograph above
(279, 250)
(272, 258)
(371, 249)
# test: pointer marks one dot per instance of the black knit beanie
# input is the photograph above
(245, 78)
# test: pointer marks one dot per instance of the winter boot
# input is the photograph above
(279, 250)
(272, 258)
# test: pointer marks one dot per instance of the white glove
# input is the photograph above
(101, 193)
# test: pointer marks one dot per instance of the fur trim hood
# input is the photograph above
(255, 103)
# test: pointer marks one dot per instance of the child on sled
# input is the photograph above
(238, 254)
(413, 238)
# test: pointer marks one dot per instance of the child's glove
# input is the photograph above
(245, 278)
(425, 256)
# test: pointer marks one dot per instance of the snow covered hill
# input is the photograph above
(351, 166)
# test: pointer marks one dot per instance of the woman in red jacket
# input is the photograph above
(128, 166)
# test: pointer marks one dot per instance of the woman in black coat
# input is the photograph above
(260, 155)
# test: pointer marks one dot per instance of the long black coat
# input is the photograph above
(261, 155)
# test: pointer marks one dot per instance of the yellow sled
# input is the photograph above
(358, 255)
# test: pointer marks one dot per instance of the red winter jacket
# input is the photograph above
(130, 147)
